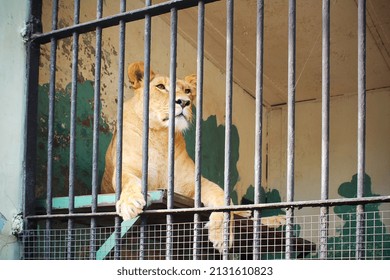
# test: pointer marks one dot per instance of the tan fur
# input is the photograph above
(131, 202)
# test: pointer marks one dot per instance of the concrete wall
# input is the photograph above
(342, 164)
(343, 145)
(12, 120)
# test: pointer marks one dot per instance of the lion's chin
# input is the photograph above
(181, 123)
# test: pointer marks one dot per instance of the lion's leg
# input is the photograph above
(213, 195)
(274, 221)
(131, 201)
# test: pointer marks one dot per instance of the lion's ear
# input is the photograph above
(136, 74)
(191, 79)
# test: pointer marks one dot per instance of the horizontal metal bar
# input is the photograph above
(133, 15)
(293, 204)
(71, 215)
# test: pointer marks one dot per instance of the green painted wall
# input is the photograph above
(61, 142)
(213, 152)
(266, 196)
(377, 244)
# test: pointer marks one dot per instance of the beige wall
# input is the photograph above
(343, 145)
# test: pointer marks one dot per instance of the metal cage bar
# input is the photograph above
(95, 144)
(228, 121)
(171, 132)
(262, 206)
(324, 211)
(259, 127)
(50, 134)
(34, 25)
(290, 123)
(121, 70)
(198, 130)
(361, 126)
(73, 116)
(33, 54)
(145, 132)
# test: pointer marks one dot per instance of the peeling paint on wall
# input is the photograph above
(61, 141)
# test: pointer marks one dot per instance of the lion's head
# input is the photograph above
(159, 97)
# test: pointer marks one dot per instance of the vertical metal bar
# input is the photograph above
(33, 53)
(50, 135)
(73, 116)
(171, 131)
(198, 130)
(324, 210)
(228, 122)
(145, 133)
(145, 144)
(259, 126)
(361, 126)
(290, 124)
(95, 144)
(121, 70)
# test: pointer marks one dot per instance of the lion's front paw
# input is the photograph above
(215, 228)
(274, 221)
(130, 205)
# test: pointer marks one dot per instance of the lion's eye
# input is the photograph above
(187, 90)
(160, 86)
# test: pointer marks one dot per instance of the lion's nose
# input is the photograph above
(183, 102)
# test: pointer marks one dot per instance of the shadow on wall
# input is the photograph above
(377, 241)
(213, 152)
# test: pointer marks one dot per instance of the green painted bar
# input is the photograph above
(103, 200)
(109, 244)
(85, 201)
(79, 201)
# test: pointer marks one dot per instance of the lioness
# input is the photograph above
(131, 202)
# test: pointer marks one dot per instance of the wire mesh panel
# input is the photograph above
(341, 242)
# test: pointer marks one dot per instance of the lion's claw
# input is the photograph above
(130, 206)
(215, 228)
